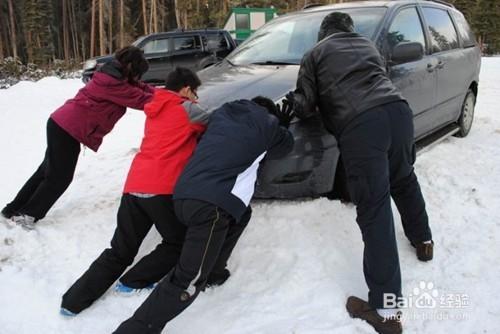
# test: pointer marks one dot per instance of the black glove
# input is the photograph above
(285, 112)
(290, 97)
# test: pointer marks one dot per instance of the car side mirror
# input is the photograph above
(407, 52)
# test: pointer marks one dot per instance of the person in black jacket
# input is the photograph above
(212, 199)
(345, 77)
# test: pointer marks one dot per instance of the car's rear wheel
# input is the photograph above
(467, 114)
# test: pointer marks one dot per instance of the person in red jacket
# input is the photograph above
(173, 126)
(84, 119)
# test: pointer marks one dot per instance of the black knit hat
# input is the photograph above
(335, 22)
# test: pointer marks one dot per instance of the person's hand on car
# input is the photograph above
(285, 112)
(290, 97)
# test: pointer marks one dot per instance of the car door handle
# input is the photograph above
(440, 64)
(430, 68)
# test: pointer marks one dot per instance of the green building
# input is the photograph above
(244, 21)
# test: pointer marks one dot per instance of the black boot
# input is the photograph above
(165, 303)
(218, 278)
(7, 212)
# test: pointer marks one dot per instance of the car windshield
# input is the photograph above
(284, 41)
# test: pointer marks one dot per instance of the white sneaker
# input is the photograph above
(25, 221)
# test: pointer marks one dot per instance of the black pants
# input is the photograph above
(157, 264)
(135, 218)
(378, 153)
(53, 176)
(210, 238)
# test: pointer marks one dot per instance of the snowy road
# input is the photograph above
(295, 265)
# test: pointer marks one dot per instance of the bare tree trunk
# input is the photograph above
(2, 56)
(155, 16)
(172, 22)
(102, 45)
(150, 21)
(178, 14)
(4, 35)
(92, 31)
(13, 29)
(65, 30)
(122, 29)
(74, 28)
(145, 17)
(110, 25)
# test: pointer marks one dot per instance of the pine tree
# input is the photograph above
(467, 7)
(37, 21)
(13, 29)
(487, 24)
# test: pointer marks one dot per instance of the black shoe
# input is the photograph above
(425, 251)
(7, 213)
(358, 308)
(218, 278)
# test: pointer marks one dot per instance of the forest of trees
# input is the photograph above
(41, 31)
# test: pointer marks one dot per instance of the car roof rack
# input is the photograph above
(442, 2)
(311, 5)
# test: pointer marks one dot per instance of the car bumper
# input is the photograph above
(307, 171)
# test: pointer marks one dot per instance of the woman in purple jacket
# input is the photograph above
(85, 119)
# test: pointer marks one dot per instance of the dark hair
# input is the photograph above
(133, 62)
(335, 22)
(181, 77)
(266, 103)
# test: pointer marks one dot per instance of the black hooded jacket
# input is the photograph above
(223, 168)
(343, 75)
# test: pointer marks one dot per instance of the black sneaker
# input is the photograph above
(218, 278)
(358, 308)
(7, 213)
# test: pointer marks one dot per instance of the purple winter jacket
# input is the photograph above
(96, 108)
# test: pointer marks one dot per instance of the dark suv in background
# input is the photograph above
(194, 49)
(431, 56)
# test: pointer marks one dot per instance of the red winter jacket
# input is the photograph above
(96, 108)
(173, 126)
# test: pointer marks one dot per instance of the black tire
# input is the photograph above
(467, 114)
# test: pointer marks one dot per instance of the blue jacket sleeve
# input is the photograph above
(281, 143)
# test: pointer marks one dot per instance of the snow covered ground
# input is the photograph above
(295, 265)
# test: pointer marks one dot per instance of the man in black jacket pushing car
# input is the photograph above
(344, 76)
(211, 198)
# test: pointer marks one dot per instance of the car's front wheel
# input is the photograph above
(467, 114)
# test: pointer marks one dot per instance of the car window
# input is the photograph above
(186, 43)
(156, 46)
(215, 41)
(465, 31)
(443, 34)
(286, 39)
(242, 21)
(138, 41)
(406, 27)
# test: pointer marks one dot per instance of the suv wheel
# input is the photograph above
(467, 115)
